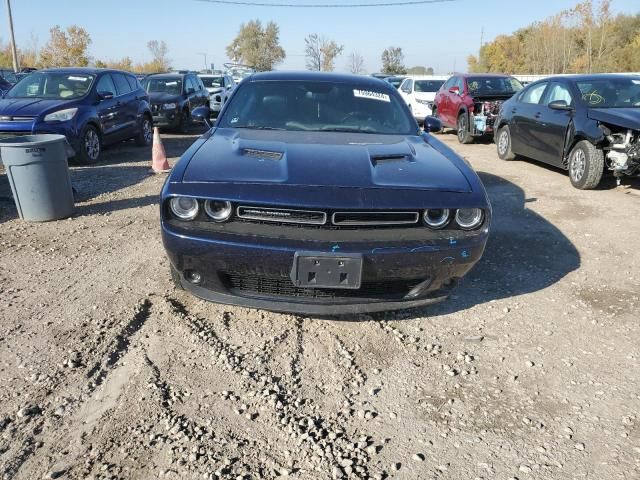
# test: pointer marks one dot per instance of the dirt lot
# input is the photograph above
(530, 371)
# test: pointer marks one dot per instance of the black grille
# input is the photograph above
(272, 286)
(374, 218)
(282, 215)
(252, 152)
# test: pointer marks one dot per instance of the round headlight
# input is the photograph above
(436, 217)
(469, 218)
(185, 208)
(219, 211)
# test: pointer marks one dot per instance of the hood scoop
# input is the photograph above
(262, 154)
(391, 157)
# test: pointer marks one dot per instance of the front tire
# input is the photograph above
(503, 144)
(145, 135)
(185, 121)
(464, 136)
(90, 145)
(586, 165)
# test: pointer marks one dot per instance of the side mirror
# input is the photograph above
(105, 95)
(560, 105)
(432, 124)
(201, 114)
(455, 90)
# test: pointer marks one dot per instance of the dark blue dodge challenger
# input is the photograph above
(318, 194)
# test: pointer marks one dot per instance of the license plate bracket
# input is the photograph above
(327, 270)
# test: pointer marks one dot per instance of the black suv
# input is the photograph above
(173, 96)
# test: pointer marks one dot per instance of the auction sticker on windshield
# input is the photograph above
(383, 97)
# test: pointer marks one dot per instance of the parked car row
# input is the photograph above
(93, 107)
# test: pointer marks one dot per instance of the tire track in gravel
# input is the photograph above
(24, 433)
(325, 444)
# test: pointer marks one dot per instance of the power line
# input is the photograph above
(325, 5)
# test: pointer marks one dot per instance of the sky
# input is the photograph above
(438, 35)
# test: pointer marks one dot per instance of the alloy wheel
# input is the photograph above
(147, 131)
(503, 142)
(462, 127)
(578, 165)
(92, 144)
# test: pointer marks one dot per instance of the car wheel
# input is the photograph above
(504, 144)
(89, 145)
(586, 165)
(145, 135)
(463, 129)
(185, 121)
(175, 277)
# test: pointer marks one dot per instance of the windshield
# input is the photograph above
(611, 92)
(493, 85)
(428, 85)
(53, 85)
(212, 82)
(317, 106)
(395, 81)
(171, 86)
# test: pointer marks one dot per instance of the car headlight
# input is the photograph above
(436, 217)
(469, 218)
(169, 106)
(185, 208)
(218, 210)
(61, 115)
(424, 102)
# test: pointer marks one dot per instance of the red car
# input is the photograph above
(469, 103)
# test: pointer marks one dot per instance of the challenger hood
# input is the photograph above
(324, 159)
(621, 117)
(31, 107)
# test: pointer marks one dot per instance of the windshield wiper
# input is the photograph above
(257, 127)
(346, 130)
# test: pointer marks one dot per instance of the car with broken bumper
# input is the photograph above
(319, 194)
(585, 124)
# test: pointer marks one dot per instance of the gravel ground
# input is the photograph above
(530, 370)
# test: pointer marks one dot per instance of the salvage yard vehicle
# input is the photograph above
(419, 91)
(91, 107)
(581, 123)
(173, 96)
(395, 80)
(219, 87)
(317, 193)
(470, 103)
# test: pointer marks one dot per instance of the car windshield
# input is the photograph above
(493, 85)
(317, 106)
(212, 82)
(53, 85)
(611, 92)
(395, 81)
(428, 85)
(171, 86)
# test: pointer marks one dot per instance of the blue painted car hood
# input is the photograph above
(622, 117)
(31, 107)
(323, 159)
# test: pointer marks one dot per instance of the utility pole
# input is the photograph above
(205, 60)
(14, 53)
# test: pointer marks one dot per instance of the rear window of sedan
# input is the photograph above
(298, 105)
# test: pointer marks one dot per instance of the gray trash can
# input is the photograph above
(38, 173)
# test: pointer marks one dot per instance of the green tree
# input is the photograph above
(257, 46)
(393, 61)
(66, 48)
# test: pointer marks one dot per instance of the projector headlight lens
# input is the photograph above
(185, 208)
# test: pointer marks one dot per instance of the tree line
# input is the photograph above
(256, 45)
(585, 39)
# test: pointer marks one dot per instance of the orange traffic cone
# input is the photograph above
(159, 163)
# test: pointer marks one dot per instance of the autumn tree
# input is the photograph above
(66, 48)
(355, 63)
(257, 46)
(393, 61)
(160, 61)
(321, 53)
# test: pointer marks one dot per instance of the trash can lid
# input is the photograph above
(31, 140)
